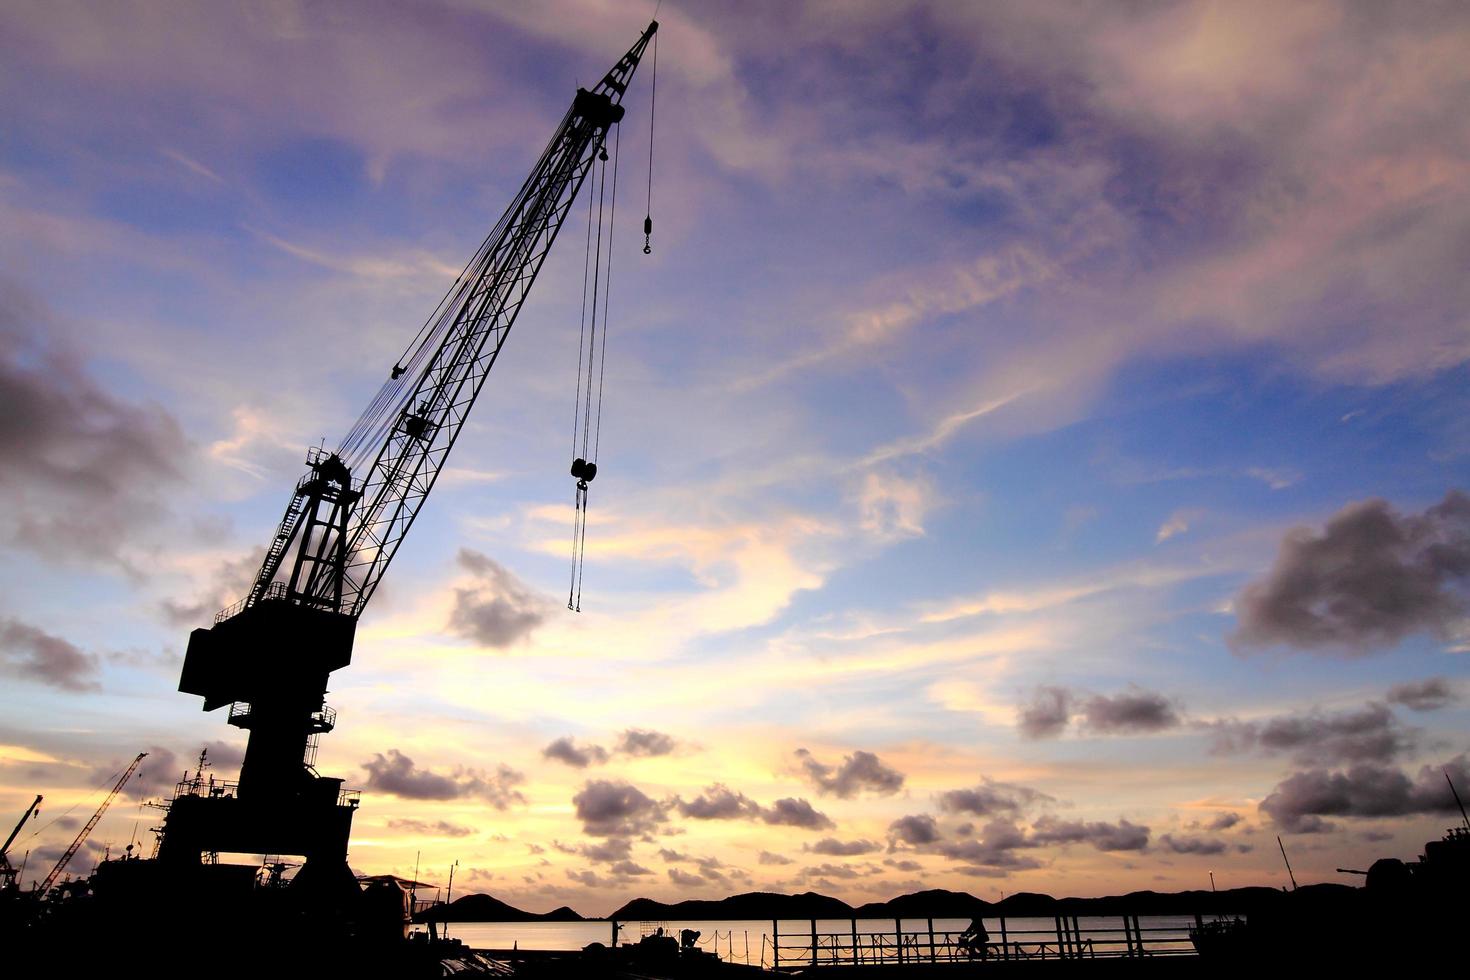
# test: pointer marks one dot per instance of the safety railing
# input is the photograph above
(1068, 938)
(276, 590)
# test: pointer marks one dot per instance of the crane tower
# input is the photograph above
(269, 656)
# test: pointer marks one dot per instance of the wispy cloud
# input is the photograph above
(190, 164)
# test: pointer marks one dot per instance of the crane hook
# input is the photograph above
(647, 234)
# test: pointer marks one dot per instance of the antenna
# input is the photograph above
(413, 890)
(1287, 860)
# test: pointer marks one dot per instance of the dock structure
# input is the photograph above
(1069, 938)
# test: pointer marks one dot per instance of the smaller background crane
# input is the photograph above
(7, 870)
(91, 824)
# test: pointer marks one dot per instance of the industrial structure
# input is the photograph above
(268, 658)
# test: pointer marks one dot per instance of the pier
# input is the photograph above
(1069, 938)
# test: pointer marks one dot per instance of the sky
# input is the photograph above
(1034, 452)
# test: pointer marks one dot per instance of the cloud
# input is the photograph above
(719, 802)
(1177, 524)
(1047, 714)
(498, 612)
(163, 768)
(994, 850)
(893, 506)
(710, 868)
(590, 878)
(790, 812)
(1120, 836)
(578, 757)
(916, 830)
(1276, 479)
(155, 776)
(609, 809)
(643, 743)
(1193, 845)
(81, 863)
(859, 772)
(1135, 711)
(941, 432)
(609, 851)
(770, 857)
(975, 871)
(84, 470)
(1299, 803)
(1369, 734)
(1428, 695)
(1371, 578)
(396, 773)
(230, 581)
(33, 654)
(991, 798)
(497, 788)
(684, 879)
(1225, 821)
(635, 742)
(832, 847)
(190, 164)
(437, 828)
(841, 872)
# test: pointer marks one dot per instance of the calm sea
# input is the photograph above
(749, 941)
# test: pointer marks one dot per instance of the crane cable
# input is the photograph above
(652, 105)
(578, 461)
(368, 433)
(584, 467)
(593, 354)
(80, 801)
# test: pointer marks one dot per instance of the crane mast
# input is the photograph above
(270, 655)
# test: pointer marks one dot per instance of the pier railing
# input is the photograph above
(1068, 938)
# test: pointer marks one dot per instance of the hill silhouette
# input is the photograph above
(943, 904)
(751, 905)
(484, 908)
(935, 903)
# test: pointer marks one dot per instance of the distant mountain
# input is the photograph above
(752, 905)
(483, 908)
(936, 903)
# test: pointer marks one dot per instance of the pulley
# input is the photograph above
(584, 471)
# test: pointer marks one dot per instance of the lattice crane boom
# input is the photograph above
(347, 531)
